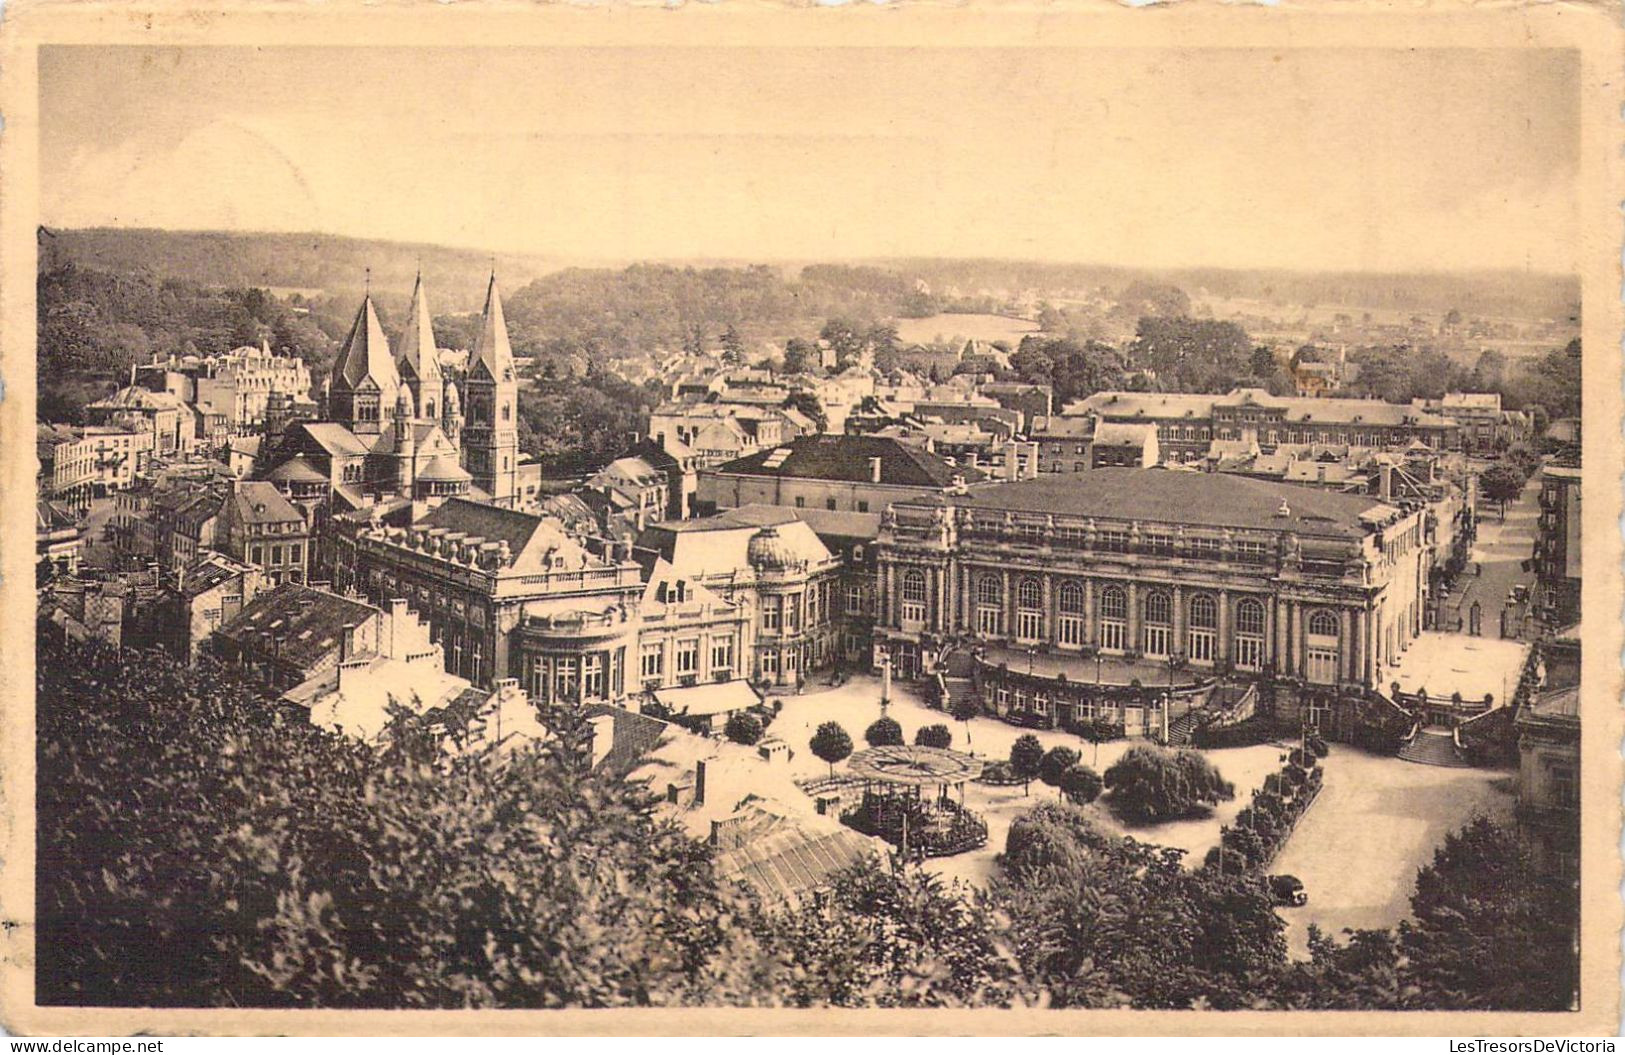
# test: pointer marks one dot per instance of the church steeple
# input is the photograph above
(490, 435)
(417, 359)
(364, 381)
(492, 352)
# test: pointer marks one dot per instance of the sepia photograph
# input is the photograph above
(779, 522)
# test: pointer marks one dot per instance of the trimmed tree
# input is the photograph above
(884, 732)
(1150, 785)
(1081, 785)
(934, 736)
(1502, 483)
(963, 710)
(1026, 759)
(831, 744)
(743, 728)
(1057, 760)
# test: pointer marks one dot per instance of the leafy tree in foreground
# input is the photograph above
(1102, 921)
(934, 736)
(1026, 759)
(743, 728)
(1150, 785)
(831, 743)
(252, 860)
(883, 732)
(1488, 930)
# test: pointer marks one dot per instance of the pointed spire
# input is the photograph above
(366, 354)
(415, 347)
(492, 350)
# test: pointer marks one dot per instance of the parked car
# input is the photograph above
(1288, 890)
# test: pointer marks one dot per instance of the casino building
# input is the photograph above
(1150, 577)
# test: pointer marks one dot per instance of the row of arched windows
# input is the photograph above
(1159, 604)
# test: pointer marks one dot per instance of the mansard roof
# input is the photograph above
(417, 356)
(530, 539)
(364, 360)
(493, 355)
(846, 459)
(1198, 499)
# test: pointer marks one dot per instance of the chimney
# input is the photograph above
(603, 736)
(397, 623)
(1385, 476)
(874, 470)
(699, 783)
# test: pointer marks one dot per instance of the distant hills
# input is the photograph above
(337, 265)
(310, 263)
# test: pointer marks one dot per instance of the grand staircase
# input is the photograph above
(1181, 729)
(957, 683)
(1433, 747)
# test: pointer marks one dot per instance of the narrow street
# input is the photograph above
(1500, 550)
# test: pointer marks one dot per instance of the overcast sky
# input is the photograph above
(1318, 159)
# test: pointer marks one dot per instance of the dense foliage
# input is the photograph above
(1149, 785)
(251, 859)
(934, 736)
(1101, 921)
(199, 846)
(743, 727)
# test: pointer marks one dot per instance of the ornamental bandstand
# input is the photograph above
(896, 808)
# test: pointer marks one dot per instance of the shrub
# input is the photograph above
(1259, 729)
(743, 728)
(934, 736)
(1318, 746)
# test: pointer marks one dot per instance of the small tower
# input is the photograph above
(451, 418)
(278, 409)
(491, 398)
(405, 444)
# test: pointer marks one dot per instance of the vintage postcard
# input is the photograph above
(990, 519)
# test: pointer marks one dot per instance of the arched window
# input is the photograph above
(989, 590)
(1071, 598)
(1202, 638)
(1324, 623)
(914, 585)
(1159, 608)
(1157, 635)
(989, 605)
(1249, 617)
(1029, 594)
(1113, 603)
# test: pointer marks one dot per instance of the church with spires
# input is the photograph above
(396, 434)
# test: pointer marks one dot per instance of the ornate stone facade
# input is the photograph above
(1187, 571)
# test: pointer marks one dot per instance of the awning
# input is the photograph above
(722, 697)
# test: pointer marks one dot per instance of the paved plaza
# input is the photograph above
(855, 704)
(1377, 820)
(1447, 663)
